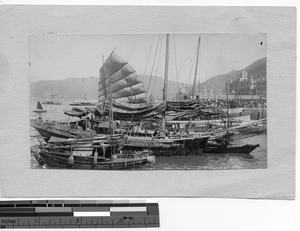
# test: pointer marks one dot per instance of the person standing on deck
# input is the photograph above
(92, 123)
(88, 124)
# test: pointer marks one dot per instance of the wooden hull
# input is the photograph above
(166, 147)
(160, 147)
(52, 103)
(60, 160)
(83, 104)
(251, 132)
(222, 148)
(47, 133)
(243, 131)
(48, 130)
(39, 111)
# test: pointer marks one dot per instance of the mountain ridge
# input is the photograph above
(257, 69)
(89, 86)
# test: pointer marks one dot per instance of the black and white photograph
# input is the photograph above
(148, 101)
(116, 106)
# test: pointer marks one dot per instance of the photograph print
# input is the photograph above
(148, 101)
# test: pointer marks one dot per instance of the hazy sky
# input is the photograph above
(55, 57)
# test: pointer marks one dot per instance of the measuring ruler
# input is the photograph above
(78, 214)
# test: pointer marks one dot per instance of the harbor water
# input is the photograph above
(257, 159)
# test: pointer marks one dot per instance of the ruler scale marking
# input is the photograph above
(78, 214)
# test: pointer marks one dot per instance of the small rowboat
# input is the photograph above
(40, 111)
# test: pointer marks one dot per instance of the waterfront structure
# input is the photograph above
(243, 86)
(261, 87)
(202, 92)
(209, 92)
(247, 85)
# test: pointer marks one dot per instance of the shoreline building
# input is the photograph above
(248, 87)
(244, 88)
(261, 87)
(202, 92)
(209, 92)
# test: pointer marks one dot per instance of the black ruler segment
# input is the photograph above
(78, 214)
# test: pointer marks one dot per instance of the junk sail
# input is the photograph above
(39, 106)
(120, 80)
(129, 98)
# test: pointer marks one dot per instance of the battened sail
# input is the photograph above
(129, 98)
(120, 80)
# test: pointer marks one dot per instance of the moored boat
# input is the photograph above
(48, 129)
(230, 149)
(222, 145)
(83, 103)
(39, 108)
(94, 155)
(52, 101)
(61, 160)
(123, 97)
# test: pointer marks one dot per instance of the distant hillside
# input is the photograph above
(76, 88)
(257, 69)
(157, 84)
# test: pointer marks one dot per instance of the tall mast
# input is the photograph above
(104, 81)
(108, 96)
(195, 77)
(110, 113)
(165, 89)
(227, 107)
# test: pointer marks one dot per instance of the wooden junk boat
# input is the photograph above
(123, 97)
(52, 101)
(95, 154)
(39, 108)
(84, 102)
(161, 146)
(129, 103)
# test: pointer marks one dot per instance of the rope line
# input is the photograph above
(149, 54)
(153, 63)
(159, 57)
